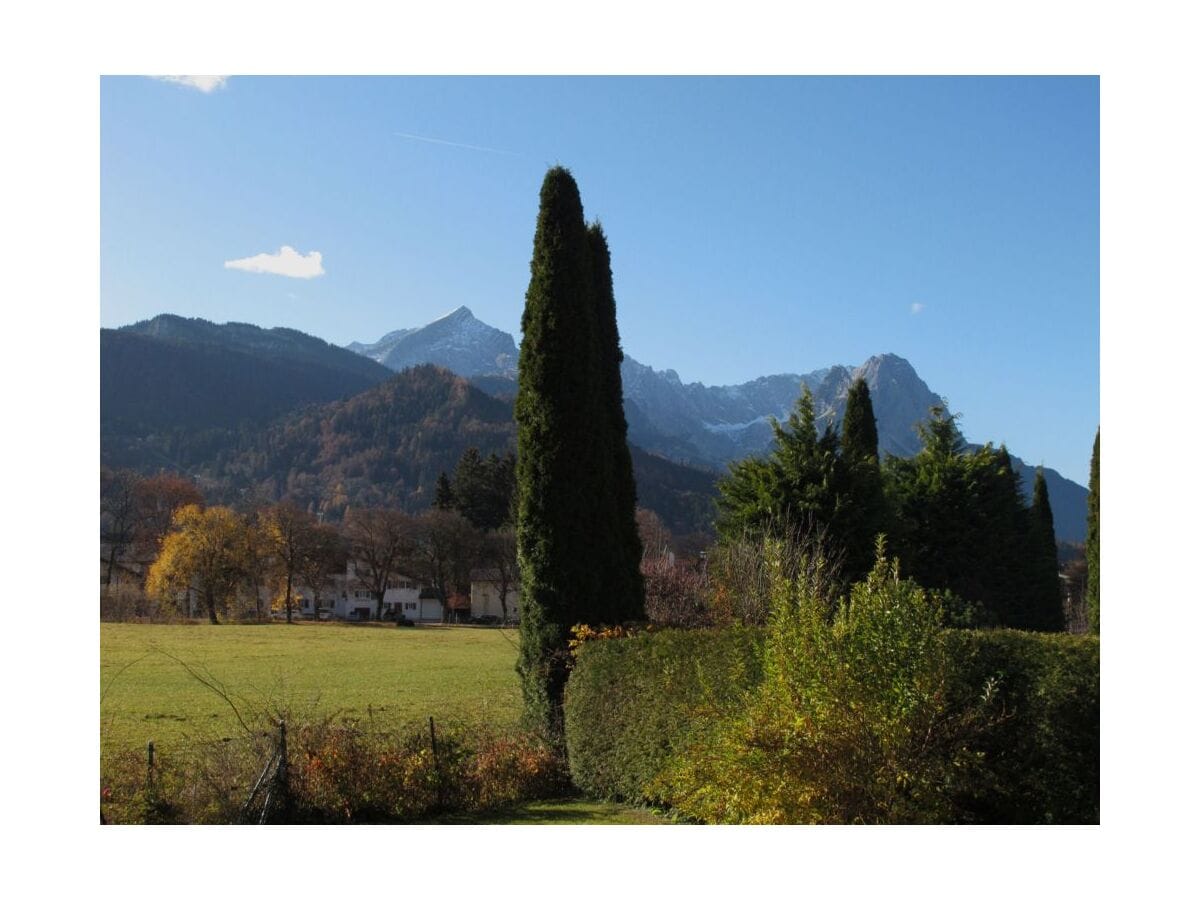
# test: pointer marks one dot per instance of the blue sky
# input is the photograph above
(757, 225)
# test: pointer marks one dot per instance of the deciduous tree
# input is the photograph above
(499, 552)
(159, 497)
(118, 515)
(326, 556)
(289, 534)
(206, 551)
(381, 541)
(446, 545)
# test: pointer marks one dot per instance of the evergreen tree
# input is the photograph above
(864, 512)
(1093, 540)
(1004, 558)
(443, 497)
(1045, 612)
(794, 487)
(471, 488)
(860, 436)
(931, 494)
(558, 487)
(483, 488)
(618, 526)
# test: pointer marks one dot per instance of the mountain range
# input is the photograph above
(274, 412)
(710, 426)
(258, 415)
(457, 341)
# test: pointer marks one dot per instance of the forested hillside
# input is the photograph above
(174, 391)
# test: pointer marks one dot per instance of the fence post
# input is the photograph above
(281, 774)
(437, 766)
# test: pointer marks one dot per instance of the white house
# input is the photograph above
(347, 597)
(485, 595)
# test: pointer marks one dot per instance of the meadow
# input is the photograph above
(151, 678)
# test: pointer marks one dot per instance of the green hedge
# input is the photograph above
(633, 704)
(1043, 757)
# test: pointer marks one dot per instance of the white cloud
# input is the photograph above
(206, 84)
(917, 308)
(286, 262)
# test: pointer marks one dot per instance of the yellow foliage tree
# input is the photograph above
(207, 550)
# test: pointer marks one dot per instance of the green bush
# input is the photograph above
(633, 703)
(853, 721)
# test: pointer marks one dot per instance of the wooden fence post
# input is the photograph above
(281, 774)
(437, 766)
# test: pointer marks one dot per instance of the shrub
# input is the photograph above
(865, 712)
(675, 593)
(336, 774)
(509, 769)
(852, 722)
(632, 703)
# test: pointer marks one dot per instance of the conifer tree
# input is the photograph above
(930, 493)
(557, 483)
(625, 591)
(864, 512)
(1045, 612)
(1006, 567)
(860, 435)
(443, 497)
(1092, 547)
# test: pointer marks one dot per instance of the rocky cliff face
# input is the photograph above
(714, 425)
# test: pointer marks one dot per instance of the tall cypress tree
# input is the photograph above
(1092, 547)
(1045, 612)
(617, 530)
(860, 435)
(1005, 566)
(864, 514)
(557, 485)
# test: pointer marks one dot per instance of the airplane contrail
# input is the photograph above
(432, 140)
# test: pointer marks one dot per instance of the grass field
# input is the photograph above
(382, 674)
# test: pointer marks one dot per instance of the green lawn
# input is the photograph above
(387, 674)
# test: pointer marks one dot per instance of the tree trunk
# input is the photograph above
(287, 599)
(112, 561)
(210, 602)
(379, 605)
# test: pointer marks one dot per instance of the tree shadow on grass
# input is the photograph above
(557, 812)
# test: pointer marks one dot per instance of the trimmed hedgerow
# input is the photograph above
(633, 703)
(1043, 755)
(636, 707)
